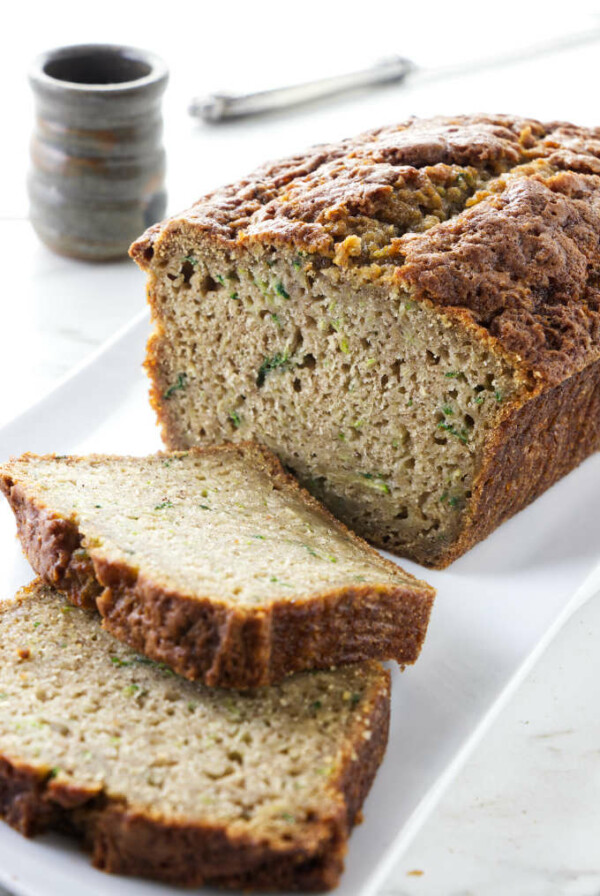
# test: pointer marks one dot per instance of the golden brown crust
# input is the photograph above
(217, 642)
(52, 544)
(523, 263)
(127, 840)
(285, 200)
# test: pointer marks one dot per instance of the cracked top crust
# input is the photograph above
(494, 218)
(524, 265)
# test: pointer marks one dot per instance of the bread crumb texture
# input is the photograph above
(98, 739)
(215, 562)
(216, 524)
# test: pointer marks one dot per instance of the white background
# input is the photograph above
(524, 815)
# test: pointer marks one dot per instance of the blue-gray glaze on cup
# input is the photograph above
(97, 162)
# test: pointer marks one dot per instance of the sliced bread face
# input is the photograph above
(168, 779)
(214, 562)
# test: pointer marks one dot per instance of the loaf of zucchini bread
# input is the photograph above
(410, 319)
(168, 779)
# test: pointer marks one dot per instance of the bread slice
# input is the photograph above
(214, 562)
(409, 318)
(168, 779)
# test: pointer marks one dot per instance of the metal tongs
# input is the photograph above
(220, 106)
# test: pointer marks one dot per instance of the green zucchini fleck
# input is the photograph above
(263, 286)
(164, 504)
(277, 581)
(314, 553)
(461, 434)
(456, 502)
(377, 482)
(176, 387)
(279, 360)
(117, 661)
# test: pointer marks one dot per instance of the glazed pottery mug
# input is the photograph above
(98, 166)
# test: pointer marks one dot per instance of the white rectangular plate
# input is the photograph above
(497, 609)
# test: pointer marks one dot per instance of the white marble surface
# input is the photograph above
(523, 817)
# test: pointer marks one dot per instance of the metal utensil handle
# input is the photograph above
(219, 106)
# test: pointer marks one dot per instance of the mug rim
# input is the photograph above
(39, 77)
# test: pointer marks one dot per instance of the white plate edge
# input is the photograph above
(90, 359)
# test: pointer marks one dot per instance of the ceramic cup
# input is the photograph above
(98, 166)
